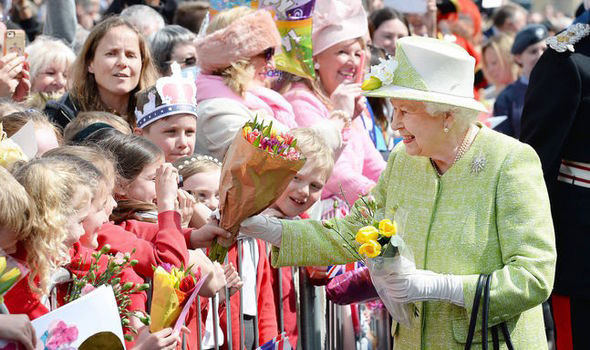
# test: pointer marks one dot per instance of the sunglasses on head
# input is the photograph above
(189, 61)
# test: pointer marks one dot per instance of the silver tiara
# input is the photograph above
(198, 158)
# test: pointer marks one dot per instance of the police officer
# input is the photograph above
(556, 123)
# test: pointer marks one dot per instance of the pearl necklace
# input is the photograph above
(467, 141)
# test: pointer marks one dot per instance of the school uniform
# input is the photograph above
(154, 244)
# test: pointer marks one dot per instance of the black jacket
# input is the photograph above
(63, 111)
(556, 123)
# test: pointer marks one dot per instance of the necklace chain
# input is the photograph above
(467, 140)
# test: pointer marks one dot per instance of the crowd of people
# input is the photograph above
(131, 106)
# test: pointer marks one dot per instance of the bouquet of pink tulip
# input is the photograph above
(257, 168)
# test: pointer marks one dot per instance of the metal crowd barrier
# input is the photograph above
(320, 322)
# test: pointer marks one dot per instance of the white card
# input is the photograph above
(95, 312)
(407, 6)
(486, 4)
(25, 138)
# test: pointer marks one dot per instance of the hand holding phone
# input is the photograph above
(14, 41)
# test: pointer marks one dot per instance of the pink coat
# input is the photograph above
(359, 165)
(258, 98)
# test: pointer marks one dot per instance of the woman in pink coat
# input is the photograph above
(234, 58)
(338, 47)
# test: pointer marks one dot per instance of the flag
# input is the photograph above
(280, 342)
(335, 270)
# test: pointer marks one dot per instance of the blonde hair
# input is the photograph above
(100, 158)
(84, 89)
(501, 44)
(53, 185)
(45, 51)
(15, 205)
(315, 150)
(84, 119)
(240, 73)
(8, 106)
(15, 121)
(38, 100)
(196, 164)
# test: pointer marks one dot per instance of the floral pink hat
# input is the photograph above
(246, 37)
(335, 21)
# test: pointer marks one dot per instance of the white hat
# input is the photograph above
(426, 69)
(335, 21)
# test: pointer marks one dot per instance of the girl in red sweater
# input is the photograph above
(81, 253)
(60, 196)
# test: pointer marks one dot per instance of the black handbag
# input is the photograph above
(483, 287)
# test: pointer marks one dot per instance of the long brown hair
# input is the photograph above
(84, 89)
(132, 153)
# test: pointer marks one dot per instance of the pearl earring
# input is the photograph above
(446, 130)
(316, 66)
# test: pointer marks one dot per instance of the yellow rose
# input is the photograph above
(371, 249)
(387, 228)
(371, 84)
(367, 233)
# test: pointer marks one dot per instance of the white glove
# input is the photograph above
(263, 227)
(421, 285)
(403, 283)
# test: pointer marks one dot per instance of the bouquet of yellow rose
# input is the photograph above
(379, 244)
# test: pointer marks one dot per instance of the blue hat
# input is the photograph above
(529, 35)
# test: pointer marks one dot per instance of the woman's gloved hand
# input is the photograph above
(263, 227)
(421, 285)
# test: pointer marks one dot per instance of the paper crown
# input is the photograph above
(170, 96)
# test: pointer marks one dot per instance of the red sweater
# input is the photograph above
(20, 299)
(267, 320)
(154, 244)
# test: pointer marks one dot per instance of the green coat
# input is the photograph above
(496, 220)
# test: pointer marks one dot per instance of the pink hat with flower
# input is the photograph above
(335, 21)
(245, 37)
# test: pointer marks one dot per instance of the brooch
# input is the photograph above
(565, 40)
(478, 163)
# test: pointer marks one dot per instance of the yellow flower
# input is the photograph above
(246, 130)
(387, 228)
(371, 249)
(371, 84)
(366, 234)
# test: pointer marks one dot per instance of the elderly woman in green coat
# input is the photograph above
(474, 202)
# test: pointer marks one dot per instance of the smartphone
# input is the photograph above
(14, 41)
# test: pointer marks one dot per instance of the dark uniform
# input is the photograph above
(556, 123)
(509, 104)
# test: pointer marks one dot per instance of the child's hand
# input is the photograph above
(18, 328)
(186, 204)
(166, 187)
(165, 339)
(232, 278)
(201, 215)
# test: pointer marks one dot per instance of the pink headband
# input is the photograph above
(246, 37)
